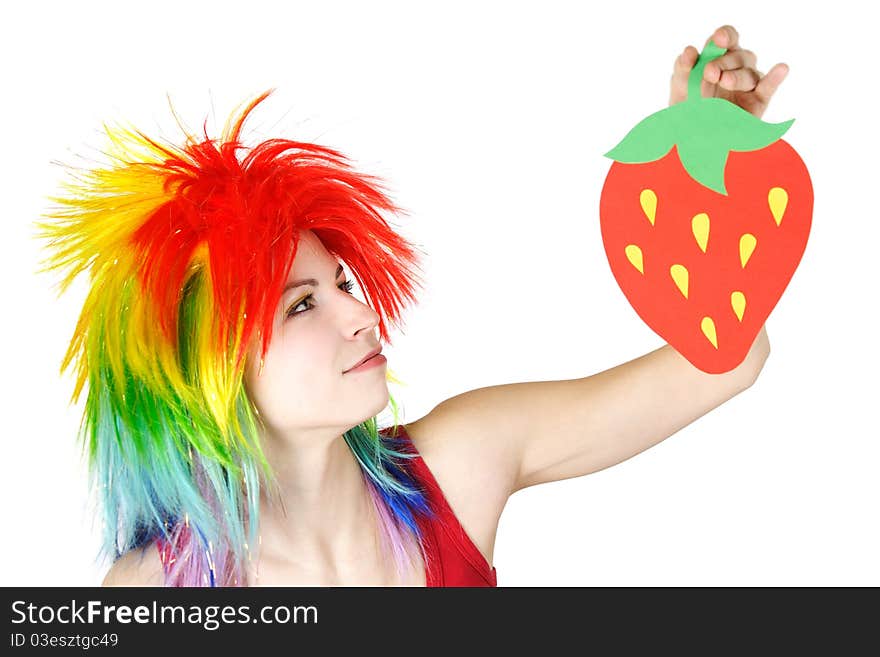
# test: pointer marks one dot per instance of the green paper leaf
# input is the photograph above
(650, 139)
(704, 162)
(704, 130)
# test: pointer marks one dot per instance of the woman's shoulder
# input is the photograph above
(467, 479)
(137, 567)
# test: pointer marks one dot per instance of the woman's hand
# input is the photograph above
(733, 76)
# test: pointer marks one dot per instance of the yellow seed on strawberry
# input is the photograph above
(700, 228)
(738, 302)
(679, 274)
(634, 255)
(708, 328)
(746, 247)
(777, 198)
(648, 201)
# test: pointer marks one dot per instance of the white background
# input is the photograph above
(489, 121)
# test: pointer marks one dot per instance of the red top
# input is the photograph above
(454, 559)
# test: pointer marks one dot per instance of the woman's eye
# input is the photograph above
(346, 286)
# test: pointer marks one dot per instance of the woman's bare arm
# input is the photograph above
(538, 432)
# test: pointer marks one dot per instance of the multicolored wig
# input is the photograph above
(188, 250)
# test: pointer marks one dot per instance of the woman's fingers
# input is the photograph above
(725, 36)
(768, 84)
(741, 79)
(735, 70)
(688, 58)
(684, 63)
(730, 61)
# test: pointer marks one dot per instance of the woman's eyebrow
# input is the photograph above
(308, 281)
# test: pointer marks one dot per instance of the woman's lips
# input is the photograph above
(370, 363)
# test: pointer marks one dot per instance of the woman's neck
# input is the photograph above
(321, 517)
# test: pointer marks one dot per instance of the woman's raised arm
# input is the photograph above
(537, 432)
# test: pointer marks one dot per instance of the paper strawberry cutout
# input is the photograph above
(705, 215)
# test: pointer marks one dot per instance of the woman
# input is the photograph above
(234, 380)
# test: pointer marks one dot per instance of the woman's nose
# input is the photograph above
(362, 318)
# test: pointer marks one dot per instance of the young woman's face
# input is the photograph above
(320, 331)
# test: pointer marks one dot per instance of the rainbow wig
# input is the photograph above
(188, 250)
